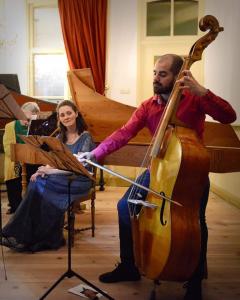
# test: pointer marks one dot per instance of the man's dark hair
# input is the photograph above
(177, 62)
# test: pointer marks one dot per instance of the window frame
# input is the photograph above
(33, 4)
(143, 8)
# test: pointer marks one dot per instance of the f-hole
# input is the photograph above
(162, 209)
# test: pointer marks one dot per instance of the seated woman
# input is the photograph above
(38, 221)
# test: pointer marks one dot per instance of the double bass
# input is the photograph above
(167, 238)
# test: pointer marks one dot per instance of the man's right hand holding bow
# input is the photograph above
(83, 156)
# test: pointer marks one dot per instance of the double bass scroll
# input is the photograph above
(195, 54)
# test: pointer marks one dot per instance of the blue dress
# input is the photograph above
(38, 222)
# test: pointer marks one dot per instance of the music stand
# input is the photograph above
(51, 150)
(9, 109)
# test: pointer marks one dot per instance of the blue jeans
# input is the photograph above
(125, 232)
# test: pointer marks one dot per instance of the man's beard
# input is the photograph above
(158, 89)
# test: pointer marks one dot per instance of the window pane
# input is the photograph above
(49, 74)
(47, 28)
(185, 17)
(158, 18)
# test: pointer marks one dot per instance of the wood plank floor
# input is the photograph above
(30, 275)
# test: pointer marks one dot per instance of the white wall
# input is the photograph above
(122, 51)
(222, 63)
(222, 69)
(14, 40)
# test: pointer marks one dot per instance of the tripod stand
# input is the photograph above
(70, 273)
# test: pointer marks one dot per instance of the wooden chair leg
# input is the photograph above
(91, 196)
(24, 178)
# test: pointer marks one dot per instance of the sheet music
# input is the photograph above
(54, 151)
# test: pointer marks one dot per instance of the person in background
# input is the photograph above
(196, 102)
(12, 170)
(38, 222)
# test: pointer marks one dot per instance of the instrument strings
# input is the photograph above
(136, 193)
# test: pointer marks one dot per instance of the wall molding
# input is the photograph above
(225, 195)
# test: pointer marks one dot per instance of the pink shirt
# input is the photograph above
(192, 111)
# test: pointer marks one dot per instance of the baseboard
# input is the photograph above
(225, 195)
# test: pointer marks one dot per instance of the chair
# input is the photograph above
(74, 209)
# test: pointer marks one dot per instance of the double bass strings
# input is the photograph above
(136, 192)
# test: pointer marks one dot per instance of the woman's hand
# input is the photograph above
(45, 170)
(34, 176)
(41, 172)
(189, 82)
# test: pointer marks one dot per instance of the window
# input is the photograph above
(48, 63)
(166, 26)
(172, 17)
(49, 75)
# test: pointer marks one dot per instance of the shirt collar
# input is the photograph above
(159, 100)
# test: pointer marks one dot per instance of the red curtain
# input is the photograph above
(84, 33)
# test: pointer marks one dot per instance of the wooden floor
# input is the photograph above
(30, 275)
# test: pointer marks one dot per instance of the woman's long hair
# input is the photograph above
(80, 123)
